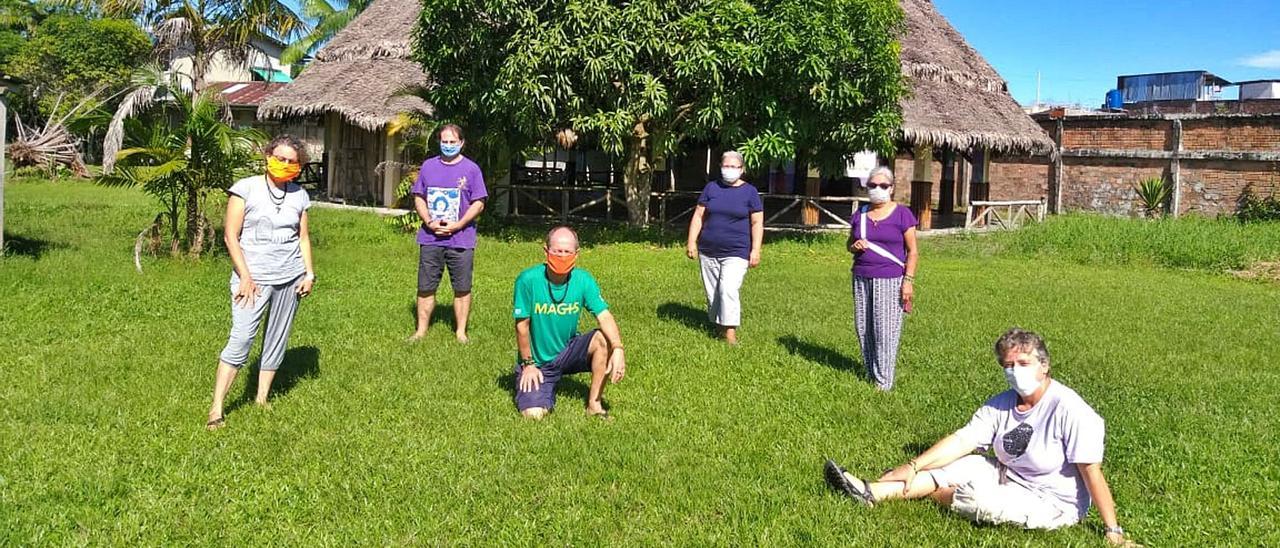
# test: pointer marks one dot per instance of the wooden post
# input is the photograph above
(1175, 169)
(1055, 177)
(390, 170)
(922, 186)
(4, 151)
(947, 192)
(332, 144)
(812, 188)
(980, 182)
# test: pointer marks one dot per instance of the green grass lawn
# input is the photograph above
(105, 378)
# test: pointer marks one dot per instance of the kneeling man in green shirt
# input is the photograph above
(547, 301)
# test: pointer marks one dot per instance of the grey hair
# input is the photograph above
(882, 170)
(732, 154)
(1024, 341)
(557, 228)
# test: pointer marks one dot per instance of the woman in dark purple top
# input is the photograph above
(882, 239)
(725, 235)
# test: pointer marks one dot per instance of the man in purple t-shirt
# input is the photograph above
(448, 195)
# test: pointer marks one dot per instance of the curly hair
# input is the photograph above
(1023, 341)
(285, 139)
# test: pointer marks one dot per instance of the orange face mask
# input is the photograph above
(561, 264)
(282, 171)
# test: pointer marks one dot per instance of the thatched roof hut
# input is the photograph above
(957, 100)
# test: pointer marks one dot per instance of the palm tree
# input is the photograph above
(204, 29)
(329, 20)
(180, 145)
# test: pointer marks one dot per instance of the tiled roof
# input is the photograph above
(246, 94)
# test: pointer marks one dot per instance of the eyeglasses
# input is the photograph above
(885, 186)
(285, 160)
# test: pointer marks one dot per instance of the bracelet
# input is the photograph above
(528, 362)
(911, 279)
(914, 466)
(309, 277)
(1117, 530)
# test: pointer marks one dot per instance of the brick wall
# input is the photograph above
(1109, 134)
(1020, 177)
(1106, 185)
(1211, 187)
(1239, 134)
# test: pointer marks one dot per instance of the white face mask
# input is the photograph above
(879, 195)
(730, 174)
(1022, 379)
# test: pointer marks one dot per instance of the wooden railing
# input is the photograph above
(670, 207)
(1003, 214)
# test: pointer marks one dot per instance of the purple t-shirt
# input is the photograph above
(449, 191)
(1042, 445)
(726, 228)
(888, 234)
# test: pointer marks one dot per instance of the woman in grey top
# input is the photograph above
(267, 239)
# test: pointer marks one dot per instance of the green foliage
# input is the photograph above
(637, 79)
(68, 57)
(10, 43)
(1190, 242)
(329, 19)
(1254, 208)
(1153, 194)
(372, 441)
(177, 151)
(405, 222)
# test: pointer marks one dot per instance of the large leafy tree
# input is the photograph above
(779, 79)
(68, 58)
(179, 144)
(330, 17)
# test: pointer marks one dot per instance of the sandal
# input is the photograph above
(841, 481)
(215, 423)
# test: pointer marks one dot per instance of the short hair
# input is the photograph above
(732, 154)
(455, 128)
(1023, 341)
(288, 140)
(576, 241)
(882, 170)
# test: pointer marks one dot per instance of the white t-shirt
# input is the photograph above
(269, 237)
(1042, 446)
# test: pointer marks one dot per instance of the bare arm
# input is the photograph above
(530, 376)
(473, 211)
(247, 291)
(695, 228)
(304, 243)
(757, 237)
(523, 344)
(944, 452)
(913, 257)
(420, 205)
(1101, 493)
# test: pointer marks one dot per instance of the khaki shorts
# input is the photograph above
(980, 496)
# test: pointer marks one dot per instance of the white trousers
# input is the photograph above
(722, 278)
(980, 496)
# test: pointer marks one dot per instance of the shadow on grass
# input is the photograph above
(569, 385)
(299, 364)
(821, 354)
(691, 317)
(441, 313)
(34, 248)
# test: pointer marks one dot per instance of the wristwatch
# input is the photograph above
(1117, 530)
(309, 277)
(528, 362)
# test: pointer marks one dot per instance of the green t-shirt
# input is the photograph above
(553, 309)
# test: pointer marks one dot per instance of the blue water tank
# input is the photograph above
(1115, 99)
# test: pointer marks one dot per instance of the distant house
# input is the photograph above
(959, 108)
(263, 66)
(244, 98)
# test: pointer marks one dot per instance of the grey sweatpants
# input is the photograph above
(282, 299)
(722, 278)
(877, 314)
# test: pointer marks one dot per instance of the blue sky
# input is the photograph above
(1080, 46)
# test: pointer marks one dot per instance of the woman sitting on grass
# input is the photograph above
(1048, 454)
(267, 239)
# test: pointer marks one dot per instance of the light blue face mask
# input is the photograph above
(450, 150)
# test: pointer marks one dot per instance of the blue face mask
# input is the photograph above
(450, 150)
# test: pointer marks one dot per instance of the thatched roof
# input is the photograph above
(957, 100)
(361, 72)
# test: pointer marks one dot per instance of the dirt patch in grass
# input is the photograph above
(1261, 270)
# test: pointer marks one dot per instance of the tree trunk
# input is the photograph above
(637, 177)
(193, 214)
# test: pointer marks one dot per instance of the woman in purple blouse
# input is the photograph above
(882, 239)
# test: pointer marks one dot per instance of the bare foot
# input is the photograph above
(216, 421)
(263, 405)
(462, 338)
(731, 336)
(597, 410)
(415, 337)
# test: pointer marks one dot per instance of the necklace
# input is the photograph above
(284, 193)
(563, 296)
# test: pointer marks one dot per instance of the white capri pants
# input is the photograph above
(980, 496)
(722, 278)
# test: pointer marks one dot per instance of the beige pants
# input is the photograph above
(981, 497)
